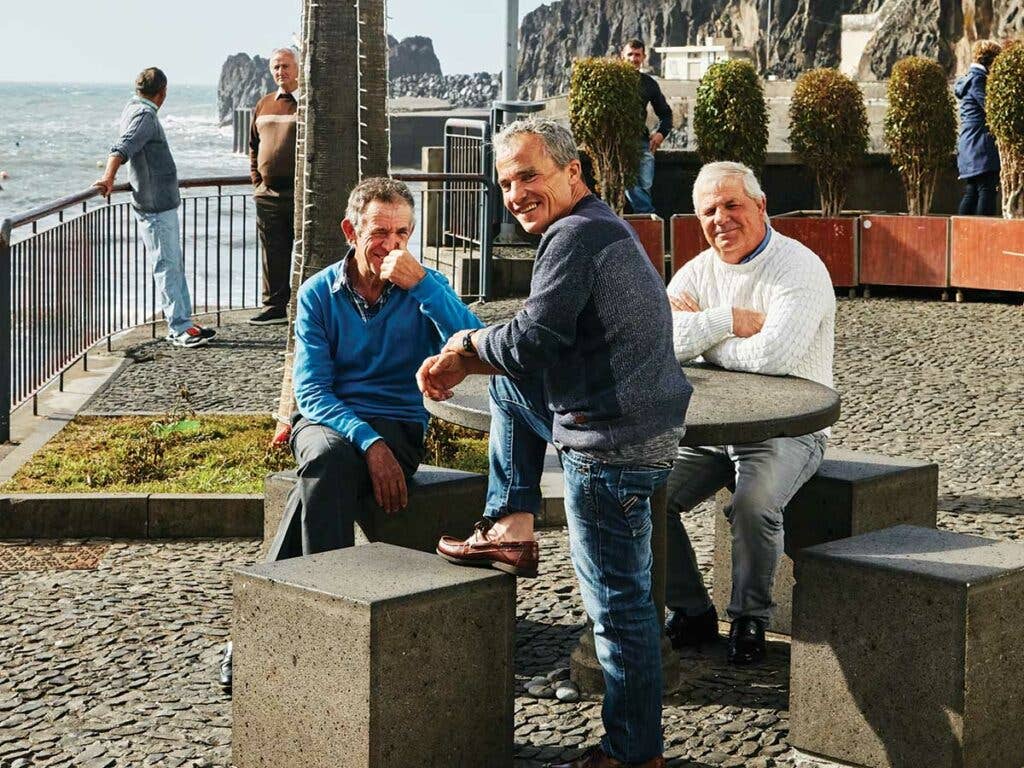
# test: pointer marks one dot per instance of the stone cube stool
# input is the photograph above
(907, 651)
(852, 492)
(372, 657)
(441, 501)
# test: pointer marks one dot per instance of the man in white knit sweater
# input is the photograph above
(761, 302)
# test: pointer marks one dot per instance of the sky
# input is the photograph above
(109, 41)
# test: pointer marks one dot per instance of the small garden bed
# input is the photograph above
(194, 454)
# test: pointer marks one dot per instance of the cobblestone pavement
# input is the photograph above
(116, 666)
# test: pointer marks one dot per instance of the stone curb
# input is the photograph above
(131, 516)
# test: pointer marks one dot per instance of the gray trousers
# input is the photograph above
(763, 478)
(334, 483)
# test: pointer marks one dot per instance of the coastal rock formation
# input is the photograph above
(243, 81)
(412, 56)
(477, 90)
(804, 33)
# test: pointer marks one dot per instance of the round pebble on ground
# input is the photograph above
(540, 691)
(562, 673)
(567, 692)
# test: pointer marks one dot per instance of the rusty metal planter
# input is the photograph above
(904, 250)
(834, 240)
(650, 228)
(687, 239)
(987, 253)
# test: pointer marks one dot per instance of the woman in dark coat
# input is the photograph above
(977, 156)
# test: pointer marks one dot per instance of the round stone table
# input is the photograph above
(727, 408)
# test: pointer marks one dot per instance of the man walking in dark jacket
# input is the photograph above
(588, 365)
(639, 196)
(976, 155)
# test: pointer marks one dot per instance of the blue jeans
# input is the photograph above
(161, 236)
(763, 477)
(608, 512)
(640, 196)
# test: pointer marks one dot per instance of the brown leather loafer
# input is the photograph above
(596, 758)
(516, 557)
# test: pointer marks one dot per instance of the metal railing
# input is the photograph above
(79, 275)
(467, 150)
(241, 122)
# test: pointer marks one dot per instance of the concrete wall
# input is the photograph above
(411, 131)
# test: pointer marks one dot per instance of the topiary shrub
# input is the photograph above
(605, 114)
(730, 120)
(920, 127)
(1004, 112)
(828, 131)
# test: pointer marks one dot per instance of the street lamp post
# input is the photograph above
(510, 77)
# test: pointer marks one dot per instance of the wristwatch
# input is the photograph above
(467, 344)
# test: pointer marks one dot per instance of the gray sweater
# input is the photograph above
(143, 144)
(598, 324)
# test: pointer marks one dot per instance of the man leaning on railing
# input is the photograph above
(155, 199)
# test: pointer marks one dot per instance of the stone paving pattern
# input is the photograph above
(116, 666)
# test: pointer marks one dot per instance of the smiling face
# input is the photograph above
(535, 190)
(285, 70)
(732, 221)
(634, 56)
(383, 227)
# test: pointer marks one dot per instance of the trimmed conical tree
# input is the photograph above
(920, 127)
(730, 120)
(605, 117)
(1004, 107)
(343, 124)
(828, 131)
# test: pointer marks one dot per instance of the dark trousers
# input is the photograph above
(275, 223)
(980, 195)
(334, 483)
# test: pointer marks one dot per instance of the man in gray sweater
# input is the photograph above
(588, 365)
(155, 199)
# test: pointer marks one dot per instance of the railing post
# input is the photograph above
(485, 242)
(5, 331)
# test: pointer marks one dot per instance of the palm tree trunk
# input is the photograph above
(330, 159)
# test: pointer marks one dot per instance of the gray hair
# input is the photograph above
(558, 140)
(287, 50)
(376, 188)
(713, 174)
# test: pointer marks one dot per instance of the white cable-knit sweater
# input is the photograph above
(788, 283)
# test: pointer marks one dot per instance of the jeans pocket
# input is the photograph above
(634, 491)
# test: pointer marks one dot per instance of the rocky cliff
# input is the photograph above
(243, 80)
(804, 33)
(412, 56)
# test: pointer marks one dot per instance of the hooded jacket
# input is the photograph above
(976, 149)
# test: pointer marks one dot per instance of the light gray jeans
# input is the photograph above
(763, 478)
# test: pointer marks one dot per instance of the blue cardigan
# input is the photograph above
(976, 149)
(348, 370)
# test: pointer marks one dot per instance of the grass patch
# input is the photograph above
(191, 454)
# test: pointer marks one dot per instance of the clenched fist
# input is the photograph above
(402, 269)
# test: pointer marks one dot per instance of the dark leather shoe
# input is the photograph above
(225, 669)
(692, 631)
(596, 758)
(516, 557)
(746, 641)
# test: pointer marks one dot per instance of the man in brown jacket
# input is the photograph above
(272, 168)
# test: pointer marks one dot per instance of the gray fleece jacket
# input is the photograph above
(598, 324)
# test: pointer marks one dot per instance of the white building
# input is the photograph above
(690, 62)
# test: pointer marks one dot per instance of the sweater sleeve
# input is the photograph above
(442, 306)
(693, 333)
(561, 286)
(140, 130)
(314, 375)
(254, 149)
(791, 321)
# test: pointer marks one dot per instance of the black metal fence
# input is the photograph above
(72, 275)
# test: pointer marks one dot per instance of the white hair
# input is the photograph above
(557, 139)
(713, 174)
(288, 51)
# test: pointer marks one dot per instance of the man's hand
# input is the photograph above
(656, 139)
(104, 185)
(389, 488)
(746, 322)
(454, 343)
(402, 269)
(683, 303)
(439, 374)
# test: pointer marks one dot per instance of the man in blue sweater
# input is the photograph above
(362, 328)
(588, 365)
